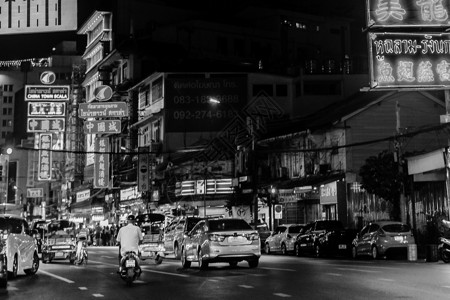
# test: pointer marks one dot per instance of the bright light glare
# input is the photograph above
(214, 100)
(9, 151)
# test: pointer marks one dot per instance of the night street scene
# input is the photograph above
(251, 149)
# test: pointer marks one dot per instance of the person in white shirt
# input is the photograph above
(129, 238)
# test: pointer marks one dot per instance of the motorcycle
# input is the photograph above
(444, 245)
(130, 269)
(82, 255)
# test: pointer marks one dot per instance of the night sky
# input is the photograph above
(24, 46)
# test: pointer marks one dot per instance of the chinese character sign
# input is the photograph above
(389, 13)
(409, 60)
(45, 157)
(101, 163)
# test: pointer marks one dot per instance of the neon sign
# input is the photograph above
(409, 60)
(404, 13)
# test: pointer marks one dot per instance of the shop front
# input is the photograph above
(333, 201)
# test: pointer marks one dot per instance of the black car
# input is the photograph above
(324, 237)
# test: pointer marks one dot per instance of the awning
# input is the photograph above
(426, 162)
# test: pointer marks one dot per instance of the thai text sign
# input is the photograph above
(45, 156)
(103, 110)
(83, 195)
(101, 163)
(46, 109)
(45, 124)
(35, 192)
(103, 126)
(404, 13)
(37, 16)
(409, 60)
(46, 92)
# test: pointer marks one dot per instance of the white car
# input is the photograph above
(18, 251)
(283, 238)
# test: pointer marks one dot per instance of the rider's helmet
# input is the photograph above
(130, 217)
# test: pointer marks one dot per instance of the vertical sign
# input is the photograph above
(101, 163)
(143, 175)
(45, 157)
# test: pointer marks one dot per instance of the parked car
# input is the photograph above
(221, 240)
(283, 238)
(175, 232)
(59, 241)
(324, 237)
(18, 251)
(379, 239)
(263, 231)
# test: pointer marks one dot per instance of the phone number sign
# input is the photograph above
(409, 60)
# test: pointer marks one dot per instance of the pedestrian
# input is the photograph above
(113, 235)
(98, 232)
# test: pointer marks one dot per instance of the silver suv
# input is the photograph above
(175, 231)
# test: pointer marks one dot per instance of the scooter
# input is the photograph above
(444, 245)
(130, 269)
(82, 255)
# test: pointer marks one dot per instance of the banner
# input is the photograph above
(101, 163)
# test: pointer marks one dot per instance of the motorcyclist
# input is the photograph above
(129, 238)
(82, 237)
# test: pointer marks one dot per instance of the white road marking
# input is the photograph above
(446, 286)
(12, 288)
(56, 276)
(83, 288)
(139, 281)
(213, 280)
(245, 286)
(143, 269)
(106, 256)
(282, 295)
(98, 295)
(280, 269)
(334, 274)
(357, 270)
(386, 279)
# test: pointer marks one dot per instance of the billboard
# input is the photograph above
(407, 13)
(47, 92)
(409, 60)
(187, 103)
(37, 16)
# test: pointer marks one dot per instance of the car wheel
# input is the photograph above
(283, 249)
(253, 263)
(233, 264)
(297, 250)
(35, 266)
(354, 252)
(375, 254)
(176, 251)
(201, 263)
(267, 248)
(15, 267)
(317, 251)
(184, 262)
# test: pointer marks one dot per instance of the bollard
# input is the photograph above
(412, 252)
(432, 253)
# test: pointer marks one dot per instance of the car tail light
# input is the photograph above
(252, 236)
(216, 238)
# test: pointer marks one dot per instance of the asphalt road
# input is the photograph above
(276, 277)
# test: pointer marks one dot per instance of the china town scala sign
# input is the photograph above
(409, 60)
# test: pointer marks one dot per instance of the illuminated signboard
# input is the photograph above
(37, 16)
(46, 109)
(45, 124)
(409, 60)
(407, 13)
(103, 110)
(101, 163)
(46, 92)
(103, 126)
(45, 157)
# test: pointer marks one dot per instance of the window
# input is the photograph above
(266, 88)
(8, 88)
(7, 123)
(281, 90)
(4, 134)
(7, 111)
(7, 99)
(222, 47)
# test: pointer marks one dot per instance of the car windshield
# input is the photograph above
(40, 225)
(191, 222)
(10, 225)
(396, 228)
(295, 229)
(228, 224)
(329, 225)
